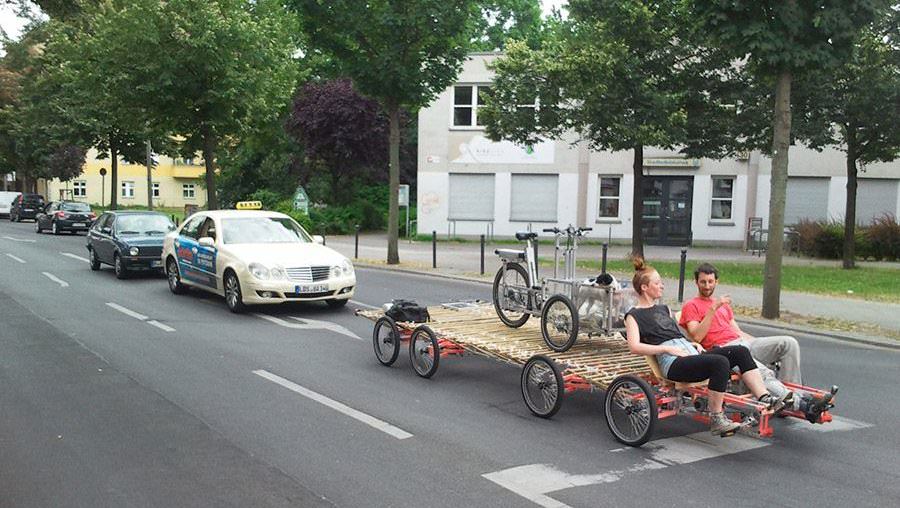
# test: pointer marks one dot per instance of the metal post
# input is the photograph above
(356, 244)
(434, 249)
(681, 275)
(482, 254)
(149, 177)
(536, 263)
(603, 262)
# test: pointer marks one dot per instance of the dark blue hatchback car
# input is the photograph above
(128, 240)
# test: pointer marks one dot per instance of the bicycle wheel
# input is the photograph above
(542, 386)
(559, 323)
(424, 352)
(386, 339)
(630, 408)
(510, 278)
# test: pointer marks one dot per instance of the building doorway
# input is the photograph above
(667, 209)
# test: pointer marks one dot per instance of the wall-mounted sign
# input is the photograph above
(403, 195)
(480, 150)
(671, 162)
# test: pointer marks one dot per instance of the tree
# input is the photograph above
(211, 70)
(855, 109)
(614, 73)
(402, 54)
(502, 20)
(781, 38)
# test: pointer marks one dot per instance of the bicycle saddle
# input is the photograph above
(525, 235)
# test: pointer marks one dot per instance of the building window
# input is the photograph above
(79, 189)
(467, 99)
(155, 189)
(722, 195)
(609, 197)
(128, 189)
(187, 191)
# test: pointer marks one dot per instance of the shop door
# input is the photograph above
(667, 209)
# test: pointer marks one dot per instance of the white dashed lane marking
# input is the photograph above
(19, 239)
(16, 258)
(75, 256)
(140, 317)
(308, 324)
(56, 279)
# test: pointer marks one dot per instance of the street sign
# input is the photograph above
(403, 196)
(301, 200)
(102, 171)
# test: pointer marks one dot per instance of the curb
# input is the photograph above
(859, 339)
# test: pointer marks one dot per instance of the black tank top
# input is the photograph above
(655, 324)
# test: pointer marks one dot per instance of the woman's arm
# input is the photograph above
(633, 335)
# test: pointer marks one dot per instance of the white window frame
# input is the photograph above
(713, 199)
(473, 105)
(155, 190)
(601, 198)
(127, 189)
(79, 189)
(188, 191)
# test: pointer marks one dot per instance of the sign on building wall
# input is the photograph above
(671, 162)
(480, 150)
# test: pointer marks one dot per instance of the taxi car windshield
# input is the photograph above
(144, 225)
(263, 230)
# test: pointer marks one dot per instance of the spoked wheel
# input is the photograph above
(53, 227)
(37, 226)
(559, 323)
(119, 267)
(175, 284)
(234, 299)
(542, 386)
(424, 352)
(386, 338)
(95, 261)
(509, 276)
(630, 408)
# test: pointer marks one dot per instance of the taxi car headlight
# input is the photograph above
(347, 266)
(133, 251)
(277, 273)
(336, 271)
(259, 271)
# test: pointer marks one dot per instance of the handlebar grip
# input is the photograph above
(586, 229)
(550, 230)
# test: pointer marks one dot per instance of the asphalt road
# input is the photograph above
(118, 393)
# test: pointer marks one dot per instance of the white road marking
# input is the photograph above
(15, 258)
(75, 256)
(337, 406)
(19, 239)
(366, 305)
(838, 423)
(56, 279)
(161, 326)
(308, 324)
(127, 311)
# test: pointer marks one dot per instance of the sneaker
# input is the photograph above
(776, 404)
(813, 407)
(719, 425)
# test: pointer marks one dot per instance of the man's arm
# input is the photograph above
(698, 329)
(741, 333)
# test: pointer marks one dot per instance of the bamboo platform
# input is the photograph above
(477, 329)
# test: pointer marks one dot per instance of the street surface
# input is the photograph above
(119, 393)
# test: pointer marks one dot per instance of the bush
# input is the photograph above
(878, 240)
(884, 236)
(807, 232)
(829, 243)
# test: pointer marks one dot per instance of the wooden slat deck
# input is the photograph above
(599, 360)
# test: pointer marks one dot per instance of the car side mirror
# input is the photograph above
(319, 239)
(106, 229)
(207, 242)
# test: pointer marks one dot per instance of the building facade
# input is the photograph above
(469, 185)
(175, 183)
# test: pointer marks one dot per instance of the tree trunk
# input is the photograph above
(637, 206)
(850, 213)
(113, 174)
(780, 145)
(209, 151)
(393, 255)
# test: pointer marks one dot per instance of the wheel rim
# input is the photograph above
(506, 294)
(423, 353)
(541, 388)
(232, 291)
(94, 260)
(118, 265)
(172, 272)
(557, 323)
(37, 226)
(55, 229)
(386, 342)
(628, 411)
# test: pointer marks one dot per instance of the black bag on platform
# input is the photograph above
(407, 310)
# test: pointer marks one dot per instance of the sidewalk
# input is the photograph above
(463, 260)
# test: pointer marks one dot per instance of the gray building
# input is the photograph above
(469, 185)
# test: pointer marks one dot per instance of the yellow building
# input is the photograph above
(176, 182)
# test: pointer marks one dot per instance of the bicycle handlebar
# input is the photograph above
(572, 231)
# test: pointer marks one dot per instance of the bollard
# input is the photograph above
(482, 254)
(434, 249)
(356, 244)
(603, 262)
(681, 275)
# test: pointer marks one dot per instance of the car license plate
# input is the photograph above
(314, 288)
(156, 263)
(29, 209)
(78, 224)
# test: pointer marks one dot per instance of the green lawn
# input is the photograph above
(881, 284)
(178, 213)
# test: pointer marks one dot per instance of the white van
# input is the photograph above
(6, 199)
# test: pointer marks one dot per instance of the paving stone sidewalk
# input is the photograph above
(464, 260)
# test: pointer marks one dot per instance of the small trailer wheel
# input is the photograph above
(542, 386)
(630, 409)
(386, 339)
(424, 351)
(559, 323)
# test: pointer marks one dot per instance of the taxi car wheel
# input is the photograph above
(233, 298)
(121, 271)
(37, 226)
(337, 304)
(174, 278)
(95, 261)
(53, 227)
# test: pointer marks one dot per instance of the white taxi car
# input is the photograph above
(255, 257)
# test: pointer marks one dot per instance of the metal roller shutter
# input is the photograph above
(807, 198)
(534, 198)
(874, 198)
(471, 196)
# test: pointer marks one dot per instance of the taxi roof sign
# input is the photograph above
(249, 205)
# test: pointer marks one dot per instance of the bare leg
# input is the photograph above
(715, 401)
(754, 382)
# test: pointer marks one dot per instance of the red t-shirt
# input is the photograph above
(720, 330)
